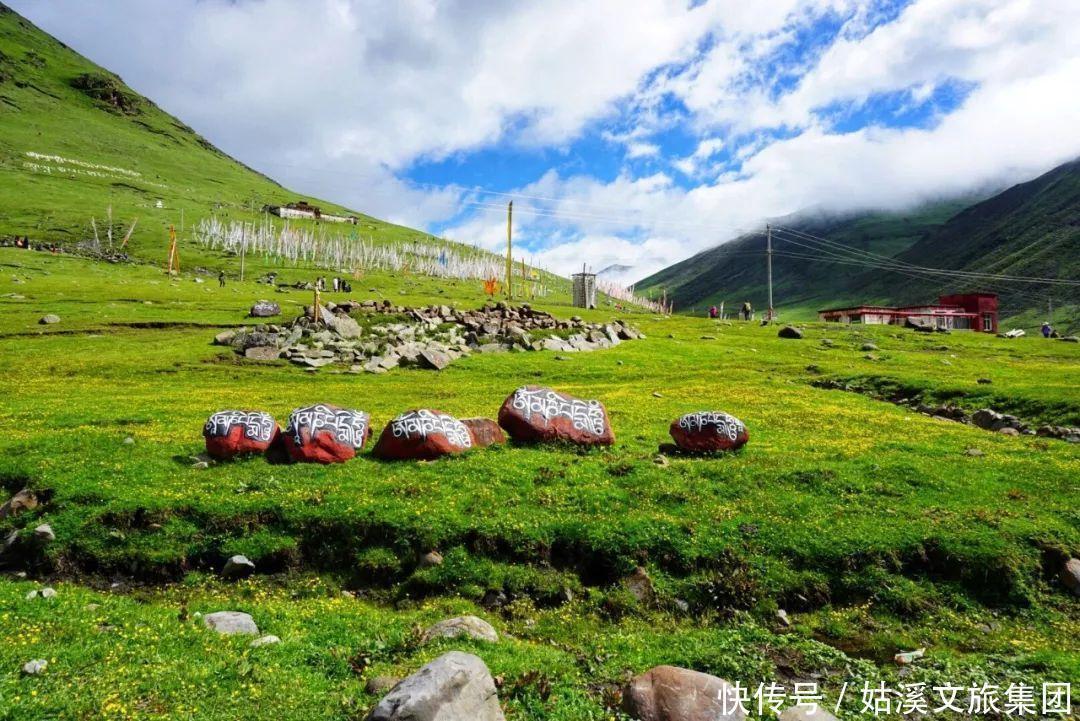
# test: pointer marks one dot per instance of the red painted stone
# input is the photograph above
(326, 434)
(235, 433)
(422, 435)
(484, 431)
(709, 432)
(534, 414)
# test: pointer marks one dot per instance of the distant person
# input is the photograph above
(1047, 330)
(747, 310)
(714, 312)
(336, 283)
(320, 283)
(221, 279)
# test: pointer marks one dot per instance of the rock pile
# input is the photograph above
(426, 337)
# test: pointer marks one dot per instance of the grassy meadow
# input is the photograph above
(872, 526)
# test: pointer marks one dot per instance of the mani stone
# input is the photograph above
(324, 433)
(535, 414)
(669, 693)
(231, 623)
(234, 433)
(790, 331)
(470, 626)
(265, 309)
(454, 687)
(708, 432)
(238, 567)
(49, 319)
(422, 434)
(484, 431)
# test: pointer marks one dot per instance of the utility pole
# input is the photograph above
(1049, 310)
(768, 264)
(509, 248)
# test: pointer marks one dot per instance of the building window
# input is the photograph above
(988, 322)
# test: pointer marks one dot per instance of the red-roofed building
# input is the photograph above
(964, 311)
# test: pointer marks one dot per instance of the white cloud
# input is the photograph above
(337, 97)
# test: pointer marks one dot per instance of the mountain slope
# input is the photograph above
(1031, 229)
(74, 139)
(735, 271)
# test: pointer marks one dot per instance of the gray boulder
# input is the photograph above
(454, 687)
(806, 713)
(44, 533)
(432, 358)
(790, 331)
(470, 626)
(49, 319)
(1070, 575)
(24, 500)
(238, 567)
(231, 623)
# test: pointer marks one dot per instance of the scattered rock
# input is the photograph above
(238, 567)
(469, 626)
(44, 534)
(909, 657)
(790, 331)
(264, 309)
(24, 500)
(484, 431)
(640, 586)
(431, 559)
(129, 441)
(535, 414)
(494, 598)
(806, 713)
(1008, 431)
(323, 433)
(454, 687)
(867, 347)
(1014, 333)
(422, 434)
(35, 667)
(265, 641)
(973, 452)
(782, 617)
(669, 693)
(48, 592)
(708, 432)
(434, 359)
(231, 623)
(225, 337)
(381, 684)
(233, 433)
(1070, 575)
(49, 319)
(262, 353)
(984, 381)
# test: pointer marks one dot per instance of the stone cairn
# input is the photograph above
(428, 337)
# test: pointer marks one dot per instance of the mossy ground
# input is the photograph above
(870, 524)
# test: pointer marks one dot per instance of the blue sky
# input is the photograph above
(630, 133)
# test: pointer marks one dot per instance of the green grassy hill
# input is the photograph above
(1031, 229)
(74, 140)
(735, 271)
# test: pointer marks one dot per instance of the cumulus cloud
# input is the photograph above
(341, 98)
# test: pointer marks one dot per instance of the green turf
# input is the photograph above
(870, 524)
